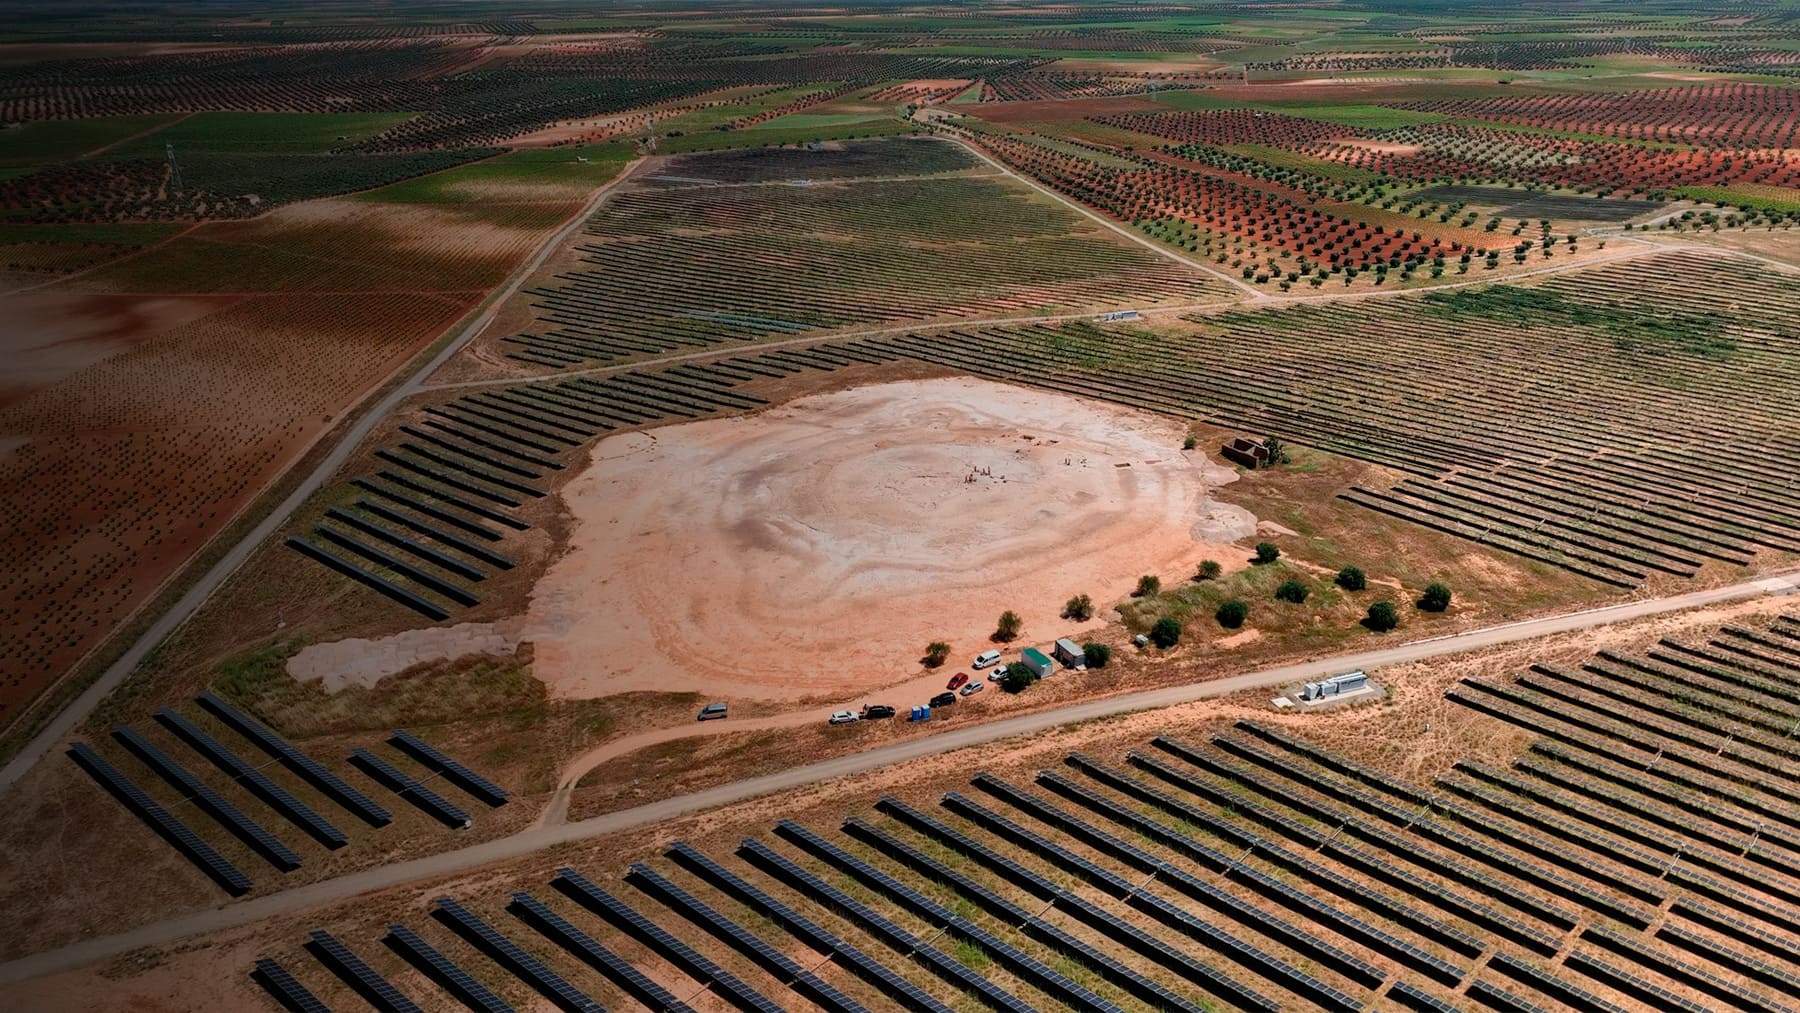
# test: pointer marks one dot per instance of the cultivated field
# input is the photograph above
(722, 249)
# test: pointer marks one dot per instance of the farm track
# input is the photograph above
(544, 836)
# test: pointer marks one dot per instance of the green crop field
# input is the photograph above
(33, 143)
(261, 133)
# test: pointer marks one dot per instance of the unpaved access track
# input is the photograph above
(528, 841)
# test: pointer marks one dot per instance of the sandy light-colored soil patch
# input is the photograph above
(1385, 147)
(1050, 110)
(816, 548)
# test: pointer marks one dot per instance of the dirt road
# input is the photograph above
(526, 842)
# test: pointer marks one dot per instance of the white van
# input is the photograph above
(986, 659)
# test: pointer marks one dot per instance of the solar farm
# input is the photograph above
(1622, 860)
(755, 507)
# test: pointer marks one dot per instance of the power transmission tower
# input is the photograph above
(174, 166)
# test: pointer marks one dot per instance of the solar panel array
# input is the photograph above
(409, 788)
(203, 795)
(314, 772)
(358, 974)
(727, 985)
(515, 958)
(561, 931)
(471, 465)
(258, 783)
(452, 771)
(173, 830)
(895, 986)
(290, 993)
(1257, 872)
(770, 958)
(866, 918)
(1030, 968)
(445, 972)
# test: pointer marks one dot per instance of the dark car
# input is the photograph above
(877, 710)
(943, 699)
(957, 680)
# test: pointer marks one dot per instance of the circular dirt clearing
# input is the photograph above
(813, 550)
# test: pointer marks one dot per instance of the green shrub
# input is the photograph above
(1095, 655)
(1147, 586)
(1383, 616)
(1232, 614)
(1352, 579)
(1266, 552)
(1166, 633)
(1436, 598)
(1209, 570)
(1079, 608)
(1008, 626)
(1016, 677)
(1292, 590)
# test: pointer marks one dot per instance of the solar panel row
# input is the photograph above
(1393, 908)
(783, 967)
(1500, 999)
(445, 972)
(1732, 957)
(893, 985)
(286, 989)
(1222, 985)
(1177, 917)
(356, 973)
(559, 930)
(1459, 842)
(408, 787)
(215, 804)
(1551, 985)
(1686, 973)
(1034, 925)
(1630, 984)
(1449, 867)
(881, 928)
(1290, 935)
(314, 772)
(1342, 921)
(728, 985)
(452, 771)
(514, 958)
(1343, 765)
(1412, 998)
(259, 784)
(422, 605)
(1027, 967)
(171, 829)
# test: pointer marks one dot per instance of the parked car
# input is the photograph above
(986, 659)
(870, 712)
(943, 700)
(844, 717)
(973, 687)
(957, 680)
(712, 712)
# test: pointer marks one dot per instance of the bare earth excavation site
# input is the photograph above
(1107, 507)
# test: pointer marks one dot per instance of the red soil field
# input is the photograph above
(121, 471)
